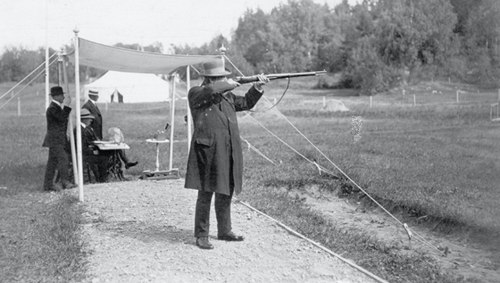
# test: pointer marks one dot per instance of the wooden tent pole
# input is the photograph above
(47, 72)
(70, 124)
(189, 118)
(172, 122)
(77, 116)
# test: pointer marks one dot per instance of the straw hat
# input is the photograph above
(85, 114)
(214, 69)
(93, 92)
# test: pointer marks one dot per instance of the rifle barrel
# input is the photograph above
(249, 79)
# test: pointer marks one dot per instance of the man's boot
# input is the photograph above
(204, 243)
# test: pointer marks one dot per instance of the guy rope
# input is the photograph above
(410, 233)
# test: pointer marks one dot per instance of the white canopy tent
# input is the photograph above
(105, 57)
(133, 87)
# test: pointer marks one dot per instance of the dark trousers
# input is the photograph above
(98, 165)
(222, 213)
(58, 160)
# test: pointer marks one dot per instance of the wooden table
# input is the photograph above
(115, 163)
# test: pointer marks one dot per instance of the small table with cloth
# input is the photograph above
(112, 150)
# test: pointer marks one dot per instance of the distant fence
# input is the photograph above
(456, 97)
(436, 98)
(494, 112)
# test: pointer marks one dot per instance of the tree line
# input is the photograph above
(373, 45)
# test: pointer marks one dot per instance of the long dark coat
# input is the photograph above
(57, 125)
(215, 162)
(97, 122)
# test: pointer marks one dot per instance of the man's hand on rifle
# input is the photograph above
(262, 81)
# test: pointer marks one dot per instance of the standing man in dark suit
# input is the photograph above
(215, 162)
(57, 115)
(94, 110)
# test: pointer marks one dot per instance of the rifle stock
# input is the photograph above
(250, 79)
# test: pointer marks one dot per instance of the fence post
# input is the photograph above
(403, 97)
(499, 95)
(371, 101)
(414, 100)
(324, 102)
(18, 106)
(458, 92)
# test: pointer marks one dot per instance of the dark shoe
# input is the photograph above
(68, 185)
(54, 188)
(131, 164)
(203, 243)
(231, 237)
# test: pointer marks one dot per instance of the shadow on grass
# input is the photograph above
(146, 232)
(41, 240)
(22, 178)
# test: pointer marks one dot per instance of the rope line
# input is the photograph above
(234, 66)
(319, 167)
(27, 76)
(250, 146)
(404, 225)
(295, 233)
(32, 80)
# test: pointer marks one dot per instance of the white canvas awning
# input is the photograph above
(110, 58)
(105, 57)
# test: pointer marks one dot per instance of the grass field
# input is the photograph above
(436, 160)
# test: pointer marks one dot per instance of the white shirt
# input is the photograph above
(58, 103)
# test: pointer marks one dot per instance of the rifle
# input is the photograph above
(250, 79)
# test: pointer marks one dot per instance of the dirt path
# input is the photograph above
(464, 258)
(142, 231)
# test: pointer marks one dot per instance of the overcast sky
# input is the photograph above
(193, 22)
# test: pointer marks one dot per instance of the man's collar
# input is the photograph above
(58, 103)
(83, 125)
(93, 102)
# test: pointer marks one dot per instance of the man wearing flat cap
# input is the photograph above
(91, 156)
(57, 115)
(215, 162)
(94, 110)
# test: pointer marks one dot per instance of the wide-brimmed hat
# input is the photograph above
(214, 69)
(56, 90)
(93, 92)
(85, 114)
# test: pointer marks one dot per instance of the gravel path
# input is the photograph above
(142, 231)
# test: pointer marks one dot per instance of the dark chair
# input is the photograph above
(115, 166)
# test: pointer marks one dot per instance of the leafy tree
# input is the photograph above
(288, 39)
(296, 30)
(250, 37)
(412, 33)
(479, 28)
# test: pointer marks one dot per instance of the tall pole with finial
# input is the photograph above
(70, 121)
(77, 115)
(189, 119)
(47, 82)
(222, 51)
